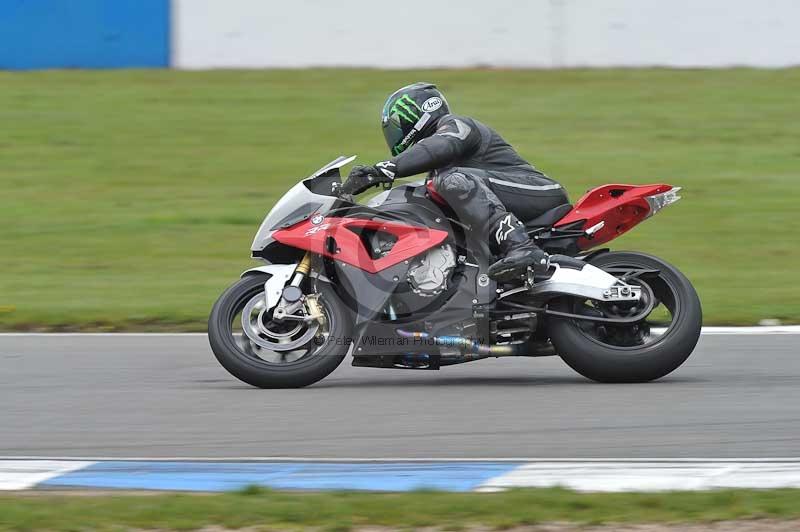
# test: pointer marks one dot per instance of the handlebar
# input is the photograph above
(337, 189)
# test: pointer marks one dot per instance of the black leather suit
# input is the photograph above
(480, 175)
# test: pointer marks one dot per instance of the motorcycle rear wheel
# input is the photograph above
(320, 353)
(631, 353)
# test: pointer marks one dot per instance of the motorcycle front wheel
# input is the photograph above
(267, 353)
(637, 352)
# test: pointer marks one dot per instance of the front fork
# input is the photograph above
(292, 297)
(302, 270)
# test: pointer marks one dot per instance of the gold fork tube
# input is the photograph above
(305, 265)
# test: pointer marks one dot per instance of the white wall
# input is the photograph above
(462, 33)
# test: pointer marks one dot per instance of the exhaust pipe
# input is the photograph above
(470, 346)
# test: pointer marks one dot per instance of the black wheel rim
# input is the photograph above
(654, 328)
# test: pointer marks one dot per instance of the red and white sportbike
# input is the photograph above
(400, 283)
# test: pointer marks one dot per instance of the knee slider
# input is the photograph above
(455, 184)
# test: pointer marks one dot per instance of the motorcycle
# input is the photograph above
(400, 282)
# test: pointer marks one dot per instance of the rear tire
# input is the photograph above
(602, 362)
(261, 373)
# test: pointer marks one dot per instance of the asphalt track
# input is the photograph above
(166, 396)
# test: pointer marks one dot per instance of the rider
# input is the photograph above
(482, 178)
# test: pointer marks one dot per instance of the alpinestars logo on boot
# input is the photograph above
(506, 226)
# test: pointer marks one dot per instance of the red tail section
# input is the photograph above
(620, 207)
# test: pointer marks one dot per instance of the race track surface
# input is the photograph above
(166, 396)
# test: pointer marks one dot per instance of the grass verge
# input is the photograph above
(128, 199)
(345, 510)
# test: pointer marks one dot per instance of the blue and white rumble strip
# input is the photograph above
(398, 475)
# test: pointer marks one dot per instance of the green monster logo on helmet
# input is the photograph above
(406, 108)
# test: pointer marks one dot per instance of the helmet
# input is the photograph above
(410, 114)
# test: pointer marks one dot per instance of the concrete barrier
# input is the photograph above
(501, 33)
(202, 34)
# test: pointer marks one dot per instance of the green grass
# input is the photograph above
(344, 510)
(128, 199)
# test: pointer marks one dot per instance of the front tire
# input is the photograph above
(619, 355)
(243, 360)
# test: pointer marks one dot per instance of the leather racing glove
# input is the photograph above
(362, 178)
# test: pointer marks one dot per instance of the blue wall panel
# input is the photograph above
(84, 34)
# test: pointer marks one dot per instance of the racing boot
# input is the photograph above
(517, 252)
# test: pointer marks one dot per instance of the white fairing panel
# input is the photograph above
(296, 197)
(279, 275)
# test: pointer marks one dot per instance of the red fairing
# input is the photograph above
(411, 240)
(620, 206)
(435, 196)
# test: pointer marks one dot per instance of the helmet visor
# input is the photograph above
(393, 133)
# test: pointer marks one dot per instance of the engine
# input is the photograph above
(429, 273)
